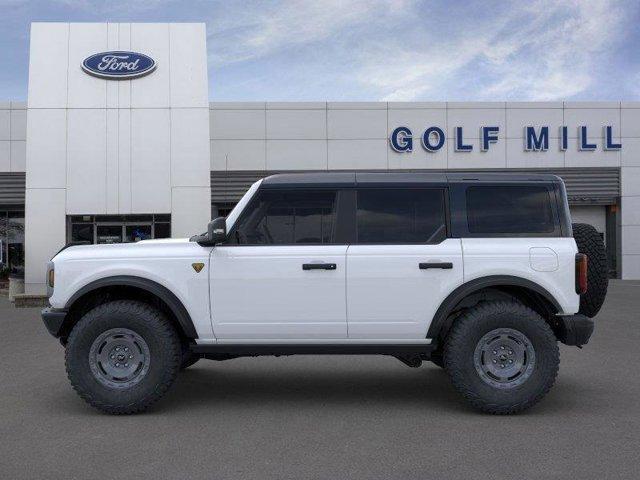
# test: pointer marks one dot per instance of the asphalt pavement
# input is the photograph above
(324, 417)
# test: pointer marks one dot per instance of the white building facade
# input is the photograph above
(93, 159)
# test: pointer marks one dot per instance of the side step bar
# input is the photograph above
(254, 350)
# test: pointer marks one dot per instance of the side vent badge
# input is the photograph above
(197, 267)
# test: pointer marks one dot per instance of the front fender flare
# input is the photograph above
(160, 291)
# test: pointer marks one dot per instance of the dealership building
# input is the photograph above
(117, 141)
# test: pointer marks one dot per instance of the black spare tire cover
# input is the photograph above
(590, 243)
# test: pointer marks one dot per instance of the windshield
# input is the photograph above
(235, 213)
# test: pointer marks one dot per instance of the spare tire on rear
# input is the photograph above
(590, 243)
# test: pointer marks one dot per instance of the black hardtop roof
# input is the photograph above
(352, 179)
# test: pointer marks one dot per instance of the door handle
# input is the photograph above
(442, 265)
(319, 266)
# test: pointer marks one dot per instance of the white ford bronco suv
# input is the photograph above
(482, 274)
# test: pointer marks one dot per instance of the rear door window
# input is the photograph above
(509, 209)
(401, 216)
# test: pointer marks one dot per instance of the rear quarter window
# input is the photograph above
(512, 209)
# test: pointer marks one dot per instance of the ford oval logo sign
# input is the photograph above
(118, 65)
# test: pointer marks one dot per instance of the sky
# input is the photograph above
(377, 50)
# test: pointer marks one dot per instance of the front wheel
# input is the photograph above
(502, 357)
(122, 356)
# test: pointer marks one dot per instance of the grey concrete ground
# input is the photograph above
(324, 417)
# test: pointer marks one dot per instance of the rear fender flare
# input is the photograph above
(447, 306)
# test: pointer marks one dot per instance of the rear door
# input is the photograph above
(282, 274)
(402, 265)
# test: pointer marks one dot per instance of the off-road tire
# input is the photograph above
(188, 358)
(437, 359)
(163, 363)
(470, 328)
(590, 243)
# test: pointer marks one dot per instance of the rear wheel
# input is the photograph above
(122, 356)
(502, 357)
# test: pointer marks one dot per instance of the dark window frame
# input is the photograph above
(445, 204)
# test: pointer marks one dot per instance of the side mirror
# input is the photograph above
(216, 233)
(217, 230)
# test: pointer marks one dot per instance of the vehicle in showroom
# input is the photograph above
(482, 274)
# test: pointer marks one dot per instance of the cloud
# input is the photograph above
(408, 50)
(263, 28)
(541, 51)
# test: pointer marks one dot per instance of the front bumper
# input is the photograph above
(53, 319)
(575, 329)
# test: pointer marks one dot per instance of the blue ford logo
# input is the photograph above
(118, 65)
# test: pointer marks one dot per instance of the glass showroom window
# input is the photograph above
(102, 229)
(11, 243)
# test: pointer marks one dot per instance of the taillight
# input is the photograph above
(581, 273)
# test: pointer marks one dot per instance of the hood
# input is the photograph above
(144, 248)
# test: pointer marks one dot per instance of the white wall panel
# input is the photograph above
(238, 155)
(191, 210)
(86, 91)
(630, 181)
(111, 161)
(420, 105)
(86, 161)
(5, 124)
(356, 105)
(471, 119)
(418, 158)
(18, 156)
(238, 124)
(48, 62)
(152, 91)
(113, 43)
(630, 119)
(518, 118)
(574, 157)
(418, 120)
(296, 155)
(631, 239)
(124, 161)
(5, 156)
(630, 267)
(296, 124)
(358, 154)
(190, 158)
(150, 161)
(592, 118)
(296, 105)
(495, 157)
(47, 148)
(18, 124)
(356, 124)
(44, 233)
(630, 211)
(630, 153)
(124, 86)
(517, 157)
(188, 54)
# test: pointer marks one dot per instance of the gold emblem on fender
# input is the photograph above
(197, 267)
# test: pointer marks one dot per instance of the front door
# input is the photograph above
(281, 274)
(402, 265)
